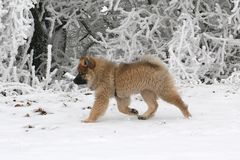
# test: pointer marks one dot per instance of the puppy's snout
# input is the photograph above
(79, 80)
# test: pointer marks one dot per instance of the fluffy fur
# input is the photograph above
(148, 76)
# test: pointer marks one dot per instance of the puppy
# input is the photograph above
(148, 76)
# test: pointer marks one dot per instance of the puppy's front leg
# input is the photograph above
(98, 109)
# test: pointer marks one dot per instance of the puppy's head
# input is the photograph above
(85, 70)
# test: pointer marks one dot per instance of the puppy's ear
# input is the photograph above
(88, 62)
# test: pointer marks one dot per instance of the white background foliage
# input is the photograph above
(197, 39)
(16, 29)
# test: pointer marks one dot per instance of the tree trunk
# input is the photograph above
(39, 40)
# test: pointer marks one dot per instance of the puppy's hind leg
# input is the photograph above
(123, 106)
(151, 99)
(174, 98)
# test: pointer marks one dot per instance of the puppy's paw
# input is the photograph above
(88, 121)
(134, 111)
(187, 114)
(141, 117)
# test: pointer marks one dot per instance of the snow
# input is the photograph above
(212, 133)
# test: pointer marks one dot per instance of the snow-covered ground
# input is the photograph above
(212, 133)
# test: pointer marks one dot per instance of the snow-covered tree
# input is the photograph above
(198, 39)
(16, 28)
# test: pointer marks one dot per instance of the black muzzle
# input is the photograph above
(79, 80)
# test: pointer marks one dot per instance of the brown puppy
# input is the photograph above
(148, 76)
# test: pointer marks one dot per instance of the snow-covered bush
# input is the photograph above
(16, 28)
(18, 73)
(198, 39)
(142, 30)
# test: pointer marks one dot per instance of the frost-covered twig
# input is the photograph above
(230, 41)
(49, 61)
